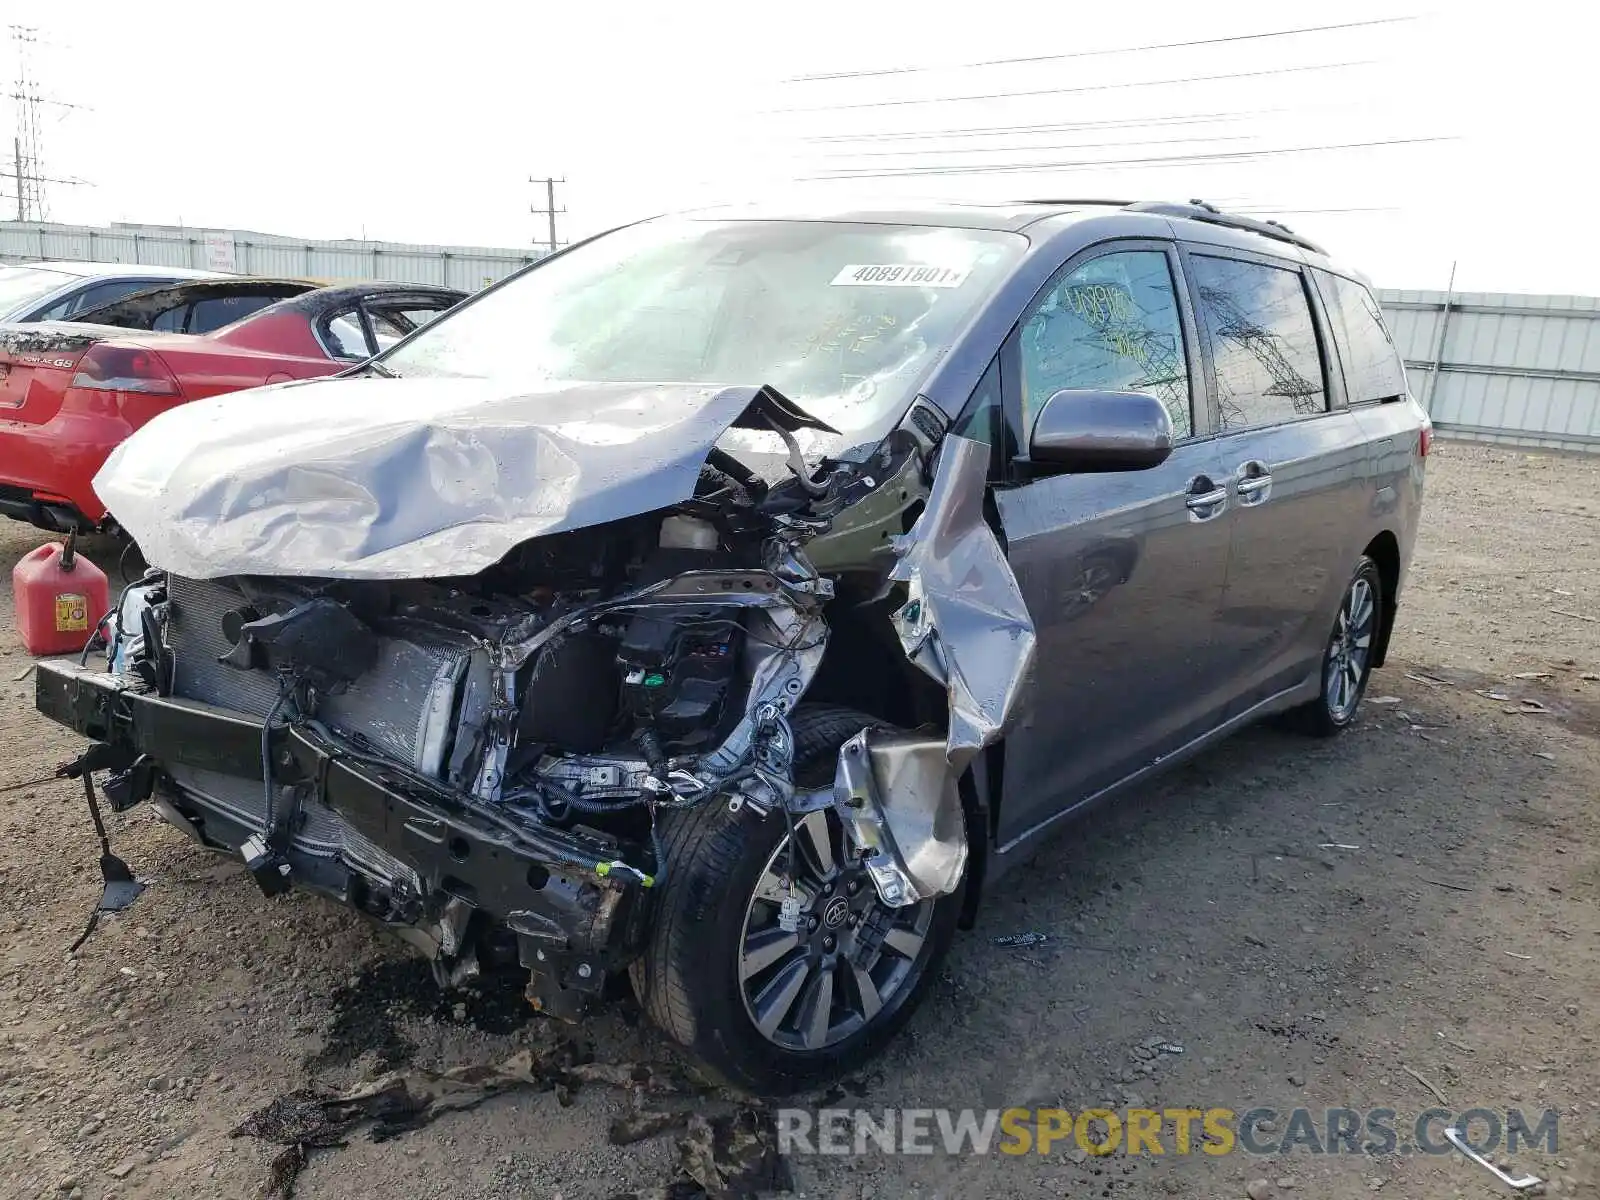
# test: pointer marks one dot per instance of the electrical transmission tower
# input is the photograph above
(1264, 346)
(25, 177)
(1121, 329)
(26, 174)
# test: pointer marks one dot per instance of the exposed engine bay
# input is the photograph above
(564, 684)
(485, 762)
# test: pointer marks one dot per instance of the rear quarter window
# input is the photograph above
(1372, 367)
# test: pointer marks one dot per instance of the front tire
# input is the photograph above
(766, 1010)
(1346, 664)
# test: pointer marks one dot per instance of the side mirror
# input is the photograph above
(1091, 430)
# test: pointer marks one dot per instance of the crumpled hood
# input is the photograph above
(373, 478)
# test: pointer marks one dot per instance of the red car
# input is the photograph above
(71, 391)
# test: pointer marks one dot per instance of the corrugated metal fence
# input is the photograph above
(1504, 368)
(464, 267)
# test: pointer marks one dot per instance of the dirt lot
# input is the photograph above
(1459, 940)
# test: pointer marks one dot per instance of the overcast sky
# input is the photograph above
(326, 120)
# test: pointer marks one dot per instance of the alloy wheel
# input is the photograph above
(1349, 650)
(843, 957)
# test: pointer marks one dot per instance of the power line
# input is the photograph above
(1038, 58)
(1180, 141)
(47, 179)
(1152, 161)
(987, 130)
(1096, 87)
(61, 104)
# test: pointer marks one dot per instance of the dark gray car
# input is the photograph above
(730, 600)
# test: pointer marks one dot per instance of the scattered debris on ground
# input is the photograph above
(727, 1155)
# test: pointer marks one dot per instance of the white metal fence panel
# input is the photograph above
(466, 267)
(1505, 368)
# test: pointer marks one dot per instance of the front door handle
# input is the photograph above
(1252, 481)
(1205, 499)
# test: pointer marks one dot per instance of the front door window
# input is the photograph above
(1110, 324)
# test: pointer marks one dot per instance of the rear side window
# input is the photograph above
(1372, 368)
(95, 296)
(1264, 349)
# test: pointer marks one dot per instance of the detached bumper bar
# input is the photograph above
(572, 922)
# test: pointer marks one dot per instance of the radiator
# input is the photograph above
(195, 638)
(403, 708)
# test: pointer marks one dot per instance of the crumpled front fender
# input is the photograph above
(964, 622)
(965, 625)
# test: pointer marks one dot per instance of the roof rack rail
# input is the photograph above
(1199, 210)
(1111, 203)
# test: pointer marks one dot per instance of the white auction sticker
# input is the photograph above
(899, 275)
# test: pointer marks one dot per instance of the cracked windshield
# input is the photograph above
(842, 319)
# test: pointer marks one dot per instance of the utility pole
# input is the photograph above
(549, 210)
(22, 205)
(1438, 346)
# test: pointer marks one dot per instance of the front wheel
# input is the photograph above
(774, 1006)
(1347, 657)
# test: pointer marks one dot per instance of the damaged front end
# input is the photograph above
(483, 762)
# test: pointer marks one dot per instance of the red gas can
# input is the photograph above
(59, 596)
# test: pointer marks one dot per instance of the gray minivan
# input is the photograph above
(729, 600)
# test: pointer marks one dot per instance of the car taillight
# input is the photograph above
(1425, 438)
(124, 369)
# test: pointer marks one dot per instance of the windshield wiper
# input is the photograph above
(377, 368)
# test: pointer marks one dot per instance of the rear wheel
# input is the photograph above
(1347, 657)
(767, 1008)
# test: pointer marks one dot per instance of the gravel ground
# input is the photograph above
(1459, 942)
